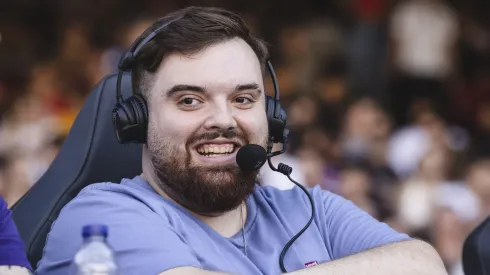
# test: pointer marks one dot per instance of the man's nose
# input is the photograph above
(221, 117)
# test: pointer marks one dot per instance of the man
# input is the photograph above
(13, 260)
(193, 211)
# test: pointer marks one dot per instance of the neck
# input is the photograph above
(226, 224)
(229, 223)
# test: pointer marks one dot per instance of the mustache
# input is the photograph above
(228, 134)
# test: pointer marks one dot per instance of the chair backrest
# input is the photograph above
(476, 250)
(89, 154)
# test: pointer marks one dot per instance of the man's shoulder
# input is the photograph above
(129, 189)
(296, 197)
(291, 194)
(139, 220)
(294, 201)
(108, 200)
(104, 203)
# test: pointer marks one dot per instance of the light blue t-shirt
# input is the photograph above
(151, 234)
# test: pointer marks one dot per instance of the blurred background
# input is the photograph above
(388, 101)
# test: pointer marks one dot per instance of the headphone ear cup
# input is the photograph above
(276, 125)
(136, 108)
(144, 109)
(130, 120)
(269, 107)
(121, 117)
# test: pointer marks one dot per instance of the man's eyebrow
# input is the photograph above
(198, 89)
(183, 87)
(248, 86)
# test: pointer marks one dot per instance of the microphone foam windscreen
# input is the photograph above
(251, 157)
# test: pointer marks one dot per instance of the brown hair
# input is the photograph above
(197, 28)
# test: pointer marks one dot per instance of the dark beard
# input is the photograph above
(204, 191)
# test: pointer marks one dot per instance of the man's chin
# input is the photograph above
(207, 190)
(222, 190)
(219, 177)
(214, 168)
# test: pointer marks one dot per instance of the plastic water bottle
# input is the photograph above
(95, 257)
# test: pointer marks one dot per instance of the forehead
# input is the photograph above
(222, 65)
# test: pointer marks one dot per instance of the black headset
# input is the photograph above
(130, 116)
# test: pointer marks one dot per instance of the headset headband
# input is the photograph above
(127, 60)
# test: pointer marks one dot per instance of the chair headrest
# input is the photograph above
(89, 154)
(476, 250)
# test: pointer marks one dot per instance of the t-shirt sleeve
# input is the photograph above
(12, 251)
(351, 230)
(144, 243)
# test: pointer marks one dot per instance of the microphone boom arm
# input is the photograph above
(271, 154)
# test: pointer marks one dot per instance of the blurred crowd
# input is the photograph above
(388, 101)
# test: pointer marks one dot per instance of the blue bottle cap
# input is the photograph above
(94, 230)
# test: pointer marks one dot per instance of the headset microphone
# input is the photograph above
(252, 157)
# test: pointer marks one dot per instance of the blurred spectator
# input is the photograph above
(416, 199)
(367, 48)
(331, 92)
(365, 133)
(478, 179)
(13, 76)
(31, 128)
(423, 36)
(427, 131)
(449, 235)
(481, 138)
(318, 154)
(356, 185)
(427, 191)
(294, 72)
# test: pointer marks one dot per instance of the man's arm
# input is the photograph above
(360, 244)
(407, 257)
(191, 271)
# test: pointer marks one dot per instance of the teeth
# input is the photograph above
(212, 149)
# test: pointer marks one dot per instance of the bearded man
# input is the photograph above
(193, 210)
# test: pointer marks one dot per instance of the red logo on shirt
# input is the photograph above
(308, 264)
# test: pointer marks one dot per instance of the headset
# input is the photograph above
(130, 116)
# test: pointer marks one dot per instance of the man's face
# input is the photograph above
(203, 108)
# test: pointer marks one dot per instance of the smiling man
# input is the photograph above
(193, 211)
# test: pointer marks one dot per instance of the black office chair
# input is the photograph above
(476, 250)
(90, 154)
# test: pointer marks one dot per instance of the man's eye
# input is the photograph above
(189, 101)
(243, 100)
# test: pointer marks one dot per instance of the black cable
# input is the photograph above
(287, 170)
